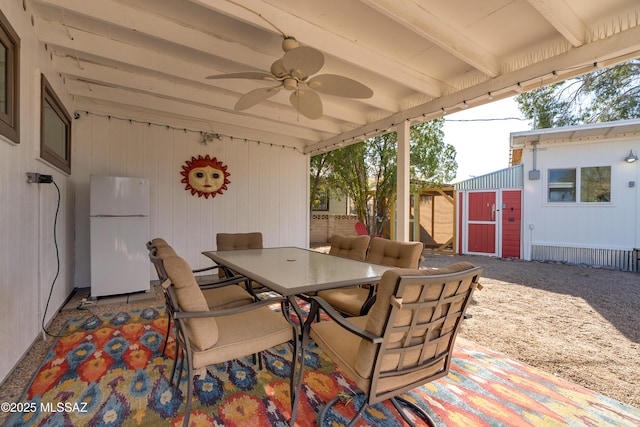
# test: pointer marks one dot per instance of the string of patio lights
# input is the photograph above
(518, 88)
(206, 137)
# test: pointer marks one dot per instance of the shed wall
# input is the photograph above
(584, 233)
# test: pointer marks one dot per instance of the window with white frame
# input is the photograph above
(55, 129)
(594, 183)
(562, 185)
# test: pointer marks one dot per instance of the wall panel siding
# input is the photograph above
(267, 193)
(617, 259)
(605, 227)
(28, 262)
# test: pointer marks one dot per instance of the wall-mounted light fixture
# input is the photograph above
(631, 157)
(210, 137)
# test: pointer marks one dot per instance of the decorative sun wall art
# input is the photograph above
(204, 176)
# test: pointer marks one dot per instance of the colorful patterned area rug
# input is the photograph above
(108, 371)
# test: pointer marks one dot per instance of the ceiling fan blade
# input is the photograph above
(307, 102)
(254, 97)
(332, 84)
(253, 75)
(303, 60)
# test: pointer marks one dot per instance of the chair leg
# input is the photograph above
(177, 360)
(166, 337)
(401, 404)
(187, 409)
(294, 393)
(175, 363)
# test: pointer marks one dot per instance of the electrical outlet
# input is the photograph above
(32, 177)
(39, 178)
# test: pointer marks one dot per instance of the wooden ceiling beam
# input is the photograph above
(353, 51)
(563, 18)
(417, 18)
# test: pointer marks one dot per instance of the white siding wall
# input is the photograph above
(268, 190)
(268, 193)
(28, 262)
(583, 225)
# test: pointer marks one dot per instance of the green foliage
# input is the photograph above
(367, 171)
(433, 162)
(603, 95)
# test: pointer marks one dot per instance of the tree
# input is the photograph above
(601, 96)
(366, 172)
(319, 185)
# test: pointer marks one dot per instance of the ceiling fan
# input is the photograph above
(293, 72)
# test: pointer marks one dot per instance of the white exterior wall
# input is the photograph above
(27, 211)
(613, 225)
(268, 190)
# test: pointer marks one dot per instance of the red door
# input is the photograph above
(511, 223)
(482, 222)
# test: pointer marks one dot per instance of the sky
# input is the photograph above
(482, 146)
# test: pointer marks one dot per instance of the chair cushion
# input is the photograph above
(227, 297)
(157, 242)
(348, 300)
(203, 333)
(245, 333)
(394, 253)
(235, 241)
(342, 346)
(382, 251)
(165, 251)
(353, 247)
(232, 241)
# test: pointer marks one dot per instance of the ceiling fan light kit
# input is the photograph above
(292, 71)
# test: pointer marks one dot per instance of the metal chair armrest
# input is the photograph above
(318, 302)
(200, 270)
(220, 283)
(227, 311)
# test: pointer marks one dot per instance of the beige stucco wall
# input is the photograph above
(325, 226)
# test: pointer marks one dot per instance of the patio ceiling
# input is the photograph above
(149, 59)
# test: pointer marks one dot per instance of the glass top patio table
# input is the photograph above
(292, 271)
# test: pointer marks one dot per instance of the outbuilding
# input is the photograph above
(579, 198)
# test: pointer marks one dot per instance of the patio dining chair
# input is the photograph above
(215, 336)
(361, 230)
(219, 293)
(405, 341)
(239, 241)
(158, 242)
(352, 247)
(356, 300)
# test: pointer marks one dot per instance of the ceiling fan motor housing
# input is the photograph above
(290, 84)
(289, 43)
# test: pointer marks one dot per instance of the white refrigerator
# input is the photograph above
(119, 227)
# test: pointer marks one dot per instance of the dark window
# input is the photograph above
(55, 130)
(562, 185)
(9, 83)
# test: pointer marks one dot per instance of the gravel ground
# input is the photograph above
(580, 323)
